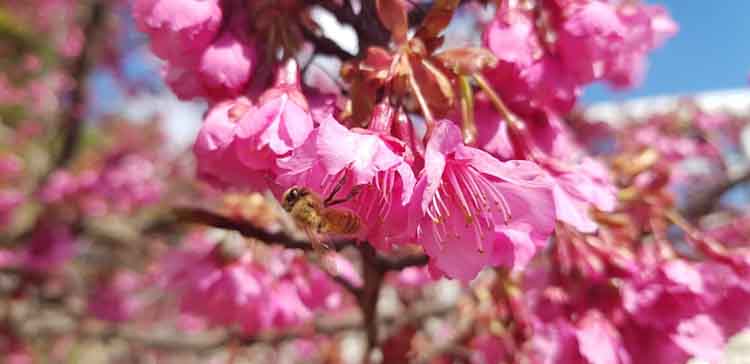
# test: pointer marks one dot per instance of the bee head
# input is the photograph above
(291, 196)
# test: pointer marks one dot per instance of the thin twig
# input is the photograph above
(706, 201)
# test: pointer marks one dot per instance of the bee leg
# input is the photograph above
(355, 190)
(335, 190)
(316, 240)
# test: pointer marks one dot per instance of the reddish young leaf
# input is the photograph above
(467, 61)
(393, 15)
(363, 98)
(435, 86)
(437, 20)
(376, 64)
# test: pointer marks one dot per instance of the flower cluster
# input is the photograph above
(469, 203)
(122, 183)
(338, 183)
(207, 53)
(547, 53)
(222, 284)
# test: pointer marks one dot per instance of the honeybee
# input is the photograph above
(316, 216)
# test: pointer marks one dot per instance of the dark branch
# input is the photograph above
(398, 263)
(369, 297)
(72, 121)
(704, 203)
(326, 46)
(247, 229)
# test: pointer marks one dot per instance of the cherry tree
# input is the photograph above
(379, 181)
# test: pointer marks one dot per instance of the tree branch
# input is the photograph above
(177, 341)
(247, 229)
(387, 263)
(706, 201)
(72, 121)
(325, 45)
(368, 299)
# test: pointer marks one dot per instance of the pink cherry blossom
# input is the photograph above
(227, 66)
(647, 27)
(555, 342)
(279, 123)
(474, 209)
(579, 181)
(60, 185)
(579, 189)
(10, 199)
(217, 150)
(51, 246)
(183, 81)
(589, 36)
(358, 158)
(281, 290)
(700, 337)
(599, 342)
(223, 290)
(526, 77)
(488, 348)
(674, 292)
(179, 30)
(412, 277)
(115, 298)
(493, 135)
(511, 37)
(10, 166)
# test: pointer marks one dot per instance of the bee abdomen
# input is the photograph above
(352, 223)
(340, 222)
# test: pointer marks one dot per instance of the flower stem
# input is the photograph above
(468, 126)
(497, 102)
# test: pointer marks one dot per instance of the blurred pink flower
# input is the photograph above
(588, 37)
(222, 290)
(579, 188)
(526, 77)
(51, 246)
(10, 199)
(10, 166)
(184, 81)
(599, 341)
(115, 298)
(179, 29)
(227, 66)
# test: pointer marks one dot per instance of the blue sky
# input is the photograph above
(711, 51)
